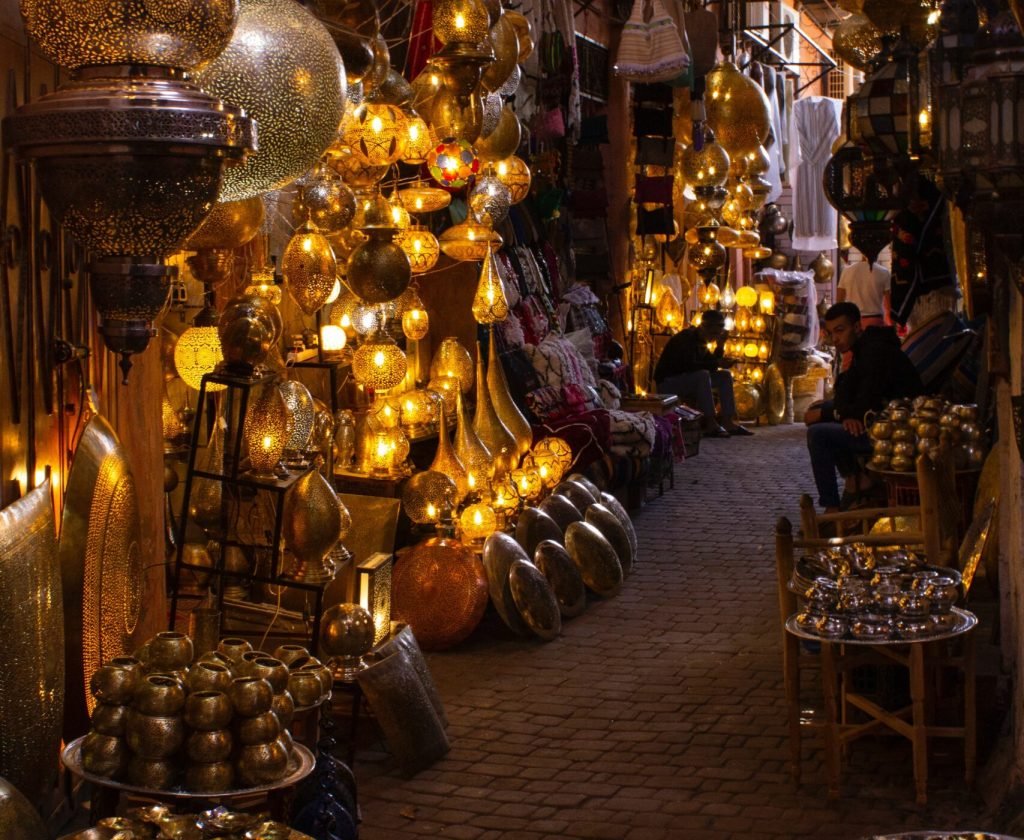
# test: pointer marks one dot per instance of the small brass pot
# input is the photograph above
(154, 775)
(287, 740)
(209, 676)
(305, 687)
(251, 696)
(210, 778)
(208, 710)
(160, 695)
(274, 671)
(209, 747)
(233, 648)
(170, 651)
(244, 665)
(218, 657)
(259, 729)
(324, 674)
(109, 720)
(289, 653)
(262, 764)
(104, 755)
(114, 683)
(284, 707)
(154, 737)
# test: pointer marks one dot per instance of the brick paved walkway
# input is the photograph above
(658, 713)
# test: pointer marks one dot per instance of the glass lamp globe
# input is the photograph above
(737, 108)
(707, 167)
(490, 199)
(489, 303)
(379, 363)
(417, 409)
(453, 360)
(366, 317)
(266, 431)
(452, 163)
(426, 495)
(332, 338)
(419, 140)
(554, 454)
(423, 198)
(478, 522)
(420, 246)
(460, 21)
(709, 295)
(309, 268)
(504, 494)
(469, 241)
(198, 351)
(399, 215)
(528, 483)
(376, 131)
(746, 296)
(515, 174)
(415, 320)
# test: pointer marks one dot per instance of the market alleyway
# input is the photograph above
(658, 713)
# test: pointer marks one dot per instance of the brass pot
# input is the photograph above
(174, 827)
(233, 648)
(104, 755)
(109, 719)
(154, 737)
(289, 653)
(325, 674)
(251, 696)
(245, 662)
(154, 775)
(208, 710)
(903, 449)
(170, 651)
(209, 747)
(274, 671)
(158, 694)
(261, 764)
(903, 433)
(115, 684)
(305, 687)
(287, 740)
(210, 778)
(284, 707)
(881, 429)
(209, 676)
(218, 658)
(259, 729)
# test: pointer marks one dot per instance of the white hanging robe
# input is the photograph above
(815, 125)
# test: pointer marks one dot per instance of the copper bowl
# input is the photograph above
(115, 684)
(109, 720)
(208, 710)
(274, 671)
(154, 737)
(210, 778)
(305, 687)
(154, 775)
(170, 651)
(104, 755)
(233, 648)
(209, 747)
(258, 729)
(284, 707)
(289, 653)
(262, 764)
(159, 695)
(209, 676)
(251, 696)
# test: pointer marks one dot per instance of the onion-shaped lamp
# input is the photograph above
(426, 495)
(452, 163)
(469, 241)
(420, 246)
(515, 174)
(379, 363)
(419, 140)
(552, 456)
(198, 351)
(346, 635)
(266, 432)
(490, 198)
(309, 268)
(415, 320)
(453, 360)
(419, 197)
(377, 131)
(528, 483)
(489, 303)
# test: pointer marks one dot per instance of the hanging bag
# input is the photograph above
(650, 49)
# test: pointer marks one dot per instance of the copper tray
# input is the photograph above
(300, 765)
(967, 621)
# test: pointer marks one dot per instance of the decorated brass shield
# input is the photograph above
(500, 552)
(611, 529)
(534, 599)
(534, 526)
(101, 564)
(615, 506)
(561, 510)
(556, 564)
(31, 626)
(595, 558)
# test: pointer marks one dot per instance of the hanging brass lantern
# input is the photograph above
(426, 495)
(490, 199)
(299, 402)
(283, 68)
(469, 241)
(420, 246)
(314, 521)
(460, 21)
(453, 115)
(737, 109)
(421, 198)
(707, 166)
(503, 141)
(490, 305)
(453, 360)
(415, 321)
(325, 200)
(309, 269)
(514, 173)
(857, 41)
(419, 140)
(353, 168)
(379, 363)
(377, 132)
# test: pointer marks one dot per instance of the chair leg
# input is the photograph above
(832, 739)
(970, 712)
(791, 679)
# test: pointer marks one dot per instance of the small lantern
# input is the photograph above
(418, 410)
(709, 295)
(379, 363)
(373, 579)
(415, 321)
(762, 351)
(447, 388)
(399, 443)
(757, 323)
(422, 198)
(453, 360)
(490, 198)
(335, 292)
(452, 163)
(696, 319)
(385, 413)
(728, 297)
(756, 375)
(399, 216)
(742, 319)
(489, 304)
(419, 140)
(198, 351)
(552, 455)
(750, 350)
(504, 494)
(427, 495)
(332, 339)
(267, 432)
(377, 131)
(460, 21)
(746, 296)
(469, 241)
(767, 303)
(381, 454)
(420, 246)
(478, 522)
(309, 268)
(514, 173)
(707, 166)
(365, 317)
(528, 483)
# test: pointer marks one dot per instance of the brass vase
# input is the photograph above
(504, 406)
(446, 461)
(475, 457)
(104, 755)
(260, 764)
(313, 524)
(494, 434)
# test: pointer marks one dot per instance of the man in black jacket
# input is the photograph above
(689, 369)
(880, 372)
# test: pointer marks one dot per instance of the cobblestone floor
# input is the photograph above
(658, 713)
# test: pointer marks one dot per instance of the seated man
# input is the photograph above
(690, 370)
(879, 372)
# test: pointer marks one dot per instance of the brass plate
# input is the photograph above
(101, 564)
(300, 765)
(32, 630)
(500, 552)
(556, 564)
(774, 395)
(615, 506)
(561, 510)
(534, 526)
(535, 600)
(595, 558)
(611, 529)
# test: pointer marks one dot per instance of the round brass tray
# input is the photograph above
(300, 765)
(967, 620)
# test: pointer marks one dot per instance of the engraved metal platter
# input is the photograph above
(965, 621)
(300, 765)
(101, 560)
(535, 599)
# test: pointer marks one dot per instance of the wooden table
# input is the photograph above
(910, 721)
(656, 404)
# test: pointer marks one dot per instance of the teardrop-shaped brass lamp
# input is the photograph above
(504, 406)
(493, 434)
(446, 460)
(472, 452)
(309, 268)
(313, 524)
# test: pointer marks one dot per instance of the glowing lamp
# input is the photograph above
(422, 198)
(528, 483)
(415, 320)
(377, 131)
(453, 360)
(335, 292)
(447, 388)
(706, 167)
(489, 303)
(373, 579)
(460, 21)
(478, 522)
(399, 443)
(750, 349)
(420, 246)
(452, 163)
(515, 174)
(757, 323)
(379, 363)
(399, 215)
(266, 432)
(198, 352)
(710, 294)
(730, 323)
(728, 295)
(746, 296)
(696, 319)
(756, 375)
(418, 409)
(365, 317)
(490, 198)
(742, 319)
(385, 413)
(762, 351)
(553, 456)
(332, 338)
(381, 453)
(767, 302)
(419, 140)
(426, 495)
(469, 241)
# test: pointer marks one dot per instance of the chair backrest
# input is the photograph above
(784, 567)
(940, 504)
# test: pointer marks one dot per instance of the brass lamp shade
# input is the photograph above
(379, 363)
(505, 43)
(504, 406)
(379, 270)
(460, 21)
(415, 320)
(266, 431)
(314, 520)
(377, 131)
(283, 68)
(469, 241)
(420, 246)
(231, 224)
(426, 495)
(494, 435)
(503, 141)
(472, 452)
(514, 173)
(419, 140)
(490, 199)
(707, 166)
(490, 305)
(198, 352)
(310, 269)
(737, 109)
(422, 198)
(446, 461)
(354, 169)
(299, 402)
(325, 200)
(453, 360)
